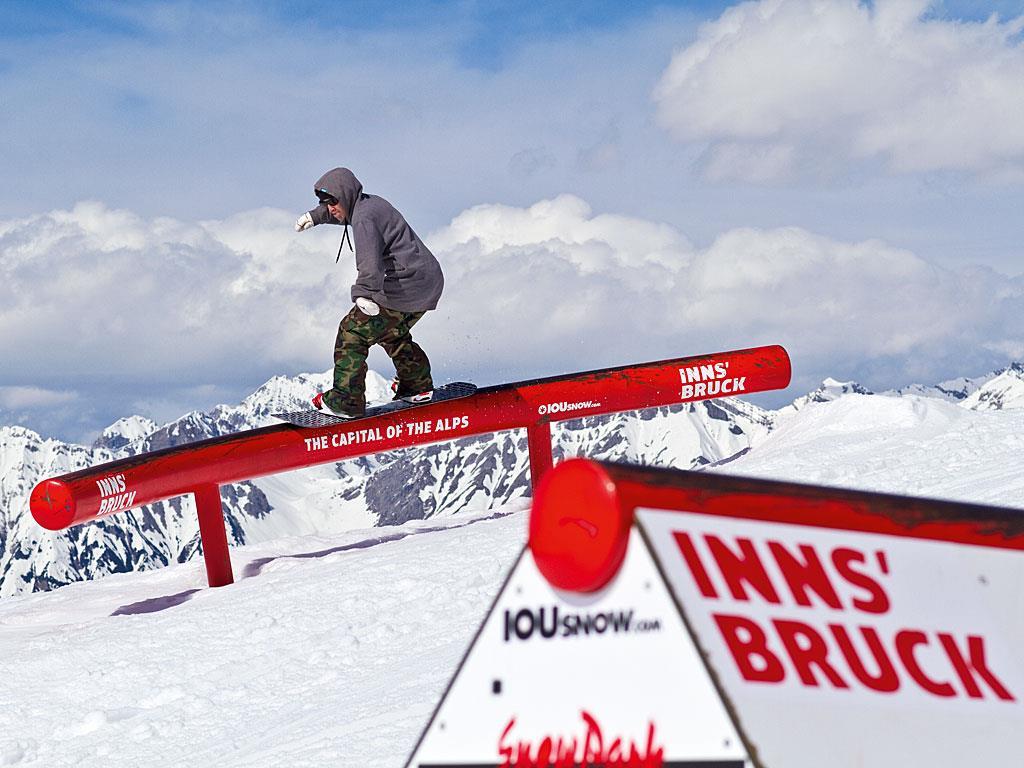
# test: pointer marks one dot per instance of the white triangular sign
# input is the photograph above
(605, 679)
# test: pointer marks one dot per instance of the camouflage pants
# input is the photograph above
(356, 334)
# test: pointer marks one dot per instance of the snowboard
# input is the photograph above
(314, 418)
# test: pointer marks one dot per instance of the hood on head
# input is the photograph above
(341, 184)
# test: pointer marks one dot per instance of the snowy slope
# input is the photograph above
(333, 650)
(920, 446)
(325, 652)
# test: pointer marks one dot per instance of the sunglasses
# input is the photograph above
(326, 197)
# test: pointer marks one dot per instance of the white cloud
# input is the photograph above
(556, 284)
(784, 87)
(15, 398)
(112, 299)
(104, 292)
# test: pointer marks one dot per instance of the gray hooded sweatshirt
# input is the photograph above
(394, 267)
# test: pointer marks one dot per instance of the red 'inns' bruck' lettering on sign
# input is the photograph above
(743, 567)
(805, 575)
(975, 663)
(886, 681)
(590, 751)
(878, 601)
(821, 658)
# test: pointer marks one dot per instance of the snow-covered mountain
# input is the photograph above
(954, 390)
(1003, 391)
(123, 432)
(467, 475)
(993, 391)
(830, 390)
(470, 474)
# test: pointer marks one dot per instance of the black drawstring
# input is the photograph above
(341, 245)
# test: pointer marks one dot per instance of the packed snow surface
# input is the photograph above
(333, 650)
(919, 446)
(324, 652)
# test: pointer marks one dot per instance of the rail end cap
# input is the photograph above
(578, 529)
(52, 505)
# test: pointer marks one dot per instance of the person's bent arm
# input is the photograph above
(319, 215)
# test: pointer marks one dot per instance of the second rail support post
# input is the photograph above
(538, 441)
(213, 535)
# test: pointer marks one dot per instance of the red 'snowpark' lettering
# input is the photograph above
(765, 654)
(591, 750)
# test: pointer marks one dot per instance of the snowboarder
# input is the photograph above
(398, 280)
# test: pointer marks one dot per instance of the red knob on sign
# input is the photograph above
(578, 529)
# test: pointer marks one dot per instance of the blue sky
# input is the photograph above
(187, 119)
(488, 30)
(166, 108)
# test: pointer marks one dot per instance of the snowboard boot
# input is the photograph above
(410, 397)
(343, 413)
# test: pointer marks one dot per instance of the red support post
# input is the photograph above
(538, 441)
(213, 535)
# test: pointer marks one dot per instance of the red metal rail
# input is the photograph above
(201, 468)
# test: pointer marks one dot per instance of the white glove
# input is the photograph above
(305, 221)
(367, 306)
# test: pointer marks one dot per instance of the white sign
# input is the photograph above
(846, 648)
(607, 679)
